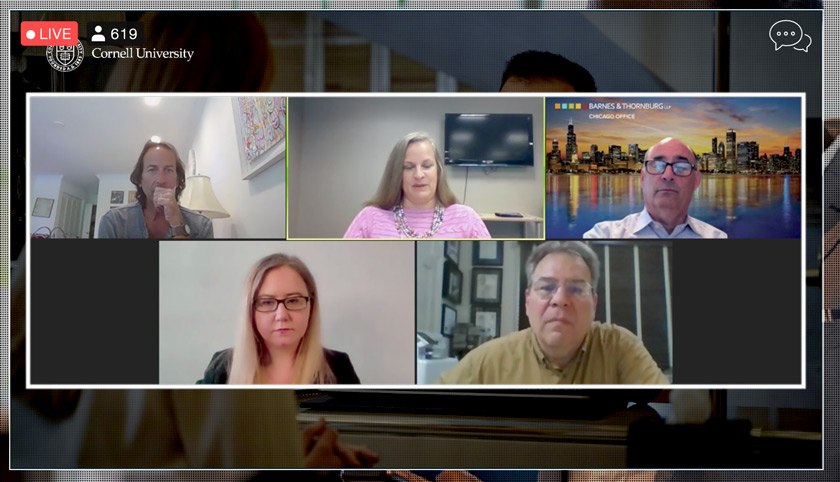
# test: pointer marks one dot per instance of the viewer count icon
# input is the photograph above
(787, 33)
(97, 37)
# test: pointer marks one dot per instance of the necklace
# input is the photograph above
(405, 230)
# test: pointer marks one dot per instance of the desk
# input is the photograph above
(435, 441)
(527, 226)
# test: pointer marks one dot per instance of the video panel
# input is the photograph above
(359, 169)
(491, 313)
(366, 329)
(88, 156)
(747, 165)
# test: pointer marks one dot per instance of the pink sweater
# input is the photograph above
(459, 221)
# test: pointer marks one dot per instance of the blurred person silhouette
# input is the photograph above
(537, 71)
(444, 476)
(64, 428)
(172, 428)
(231, 54)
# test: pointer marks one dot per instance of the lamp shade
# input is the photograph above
(198, 195)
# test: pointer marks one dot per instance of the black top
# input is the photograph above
(339, 362)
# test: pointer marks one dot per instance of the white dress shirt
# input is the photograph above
(641, 225)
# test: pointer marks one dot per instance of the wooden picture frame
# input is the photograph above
(448, 320)
(486, 285)
(488, 253)
(260, 132)
(43, 207)
(453, 281)
(489, 318)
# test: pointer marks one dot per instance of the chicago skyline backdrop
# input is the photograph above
(771, 122)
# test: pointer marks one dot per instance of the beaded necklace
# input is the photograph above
(405, 230)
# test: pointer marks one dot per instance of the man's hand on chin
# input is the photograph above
(165, 198)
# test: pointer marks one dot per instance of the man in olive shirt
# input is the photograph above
(564, 345)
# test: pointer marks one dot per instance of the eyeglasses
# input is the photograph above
(292, 303)
(577, 289)
(680, 168)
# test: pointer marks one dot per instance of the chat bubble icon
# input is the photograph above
(786, 33)
(803, 44)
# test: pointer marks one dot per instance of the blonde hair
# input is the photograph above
(250, 351)
(389, 193)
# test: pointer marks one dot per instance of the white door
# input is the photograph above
(70, 215)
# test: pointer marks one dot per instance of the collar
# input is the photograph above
(544, 361)
(644, 220)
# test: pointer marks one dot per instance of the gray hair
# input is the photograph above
(572, 248)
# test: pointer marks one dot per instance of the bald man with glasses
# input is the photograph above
(564, 345)
(669, 179)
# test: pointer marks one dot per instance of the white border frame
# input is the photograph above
(542, 95)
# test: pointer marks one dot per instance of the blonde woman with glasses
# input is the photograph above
(279, 339)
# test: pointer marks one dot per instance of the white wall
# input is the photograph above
(429, 285)
(338, 154)
(45, 186)
(257, 205)
(366, 293)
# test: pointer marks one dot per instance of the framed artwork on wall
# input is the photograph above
(260, 132)
(43, 207)
(452, 282)
(488, 253)
(452, 250)
(487, 285)
(488, 318)
(448, 319)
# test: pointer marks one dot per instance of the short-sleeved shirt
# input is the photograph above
(126, 222)
(609, 354)
(641, 225)
(459, 221)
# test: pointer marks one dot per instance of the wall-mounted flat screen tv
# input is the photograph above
(489, 140)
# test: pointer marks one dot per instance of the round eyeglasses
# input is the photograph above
(578, 289)
(292, 303)
(680, 168)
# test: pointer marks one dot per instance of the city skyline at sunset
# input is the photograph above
(771, 122)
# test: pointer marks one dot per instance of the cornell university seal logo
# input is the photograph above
(65, 58)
